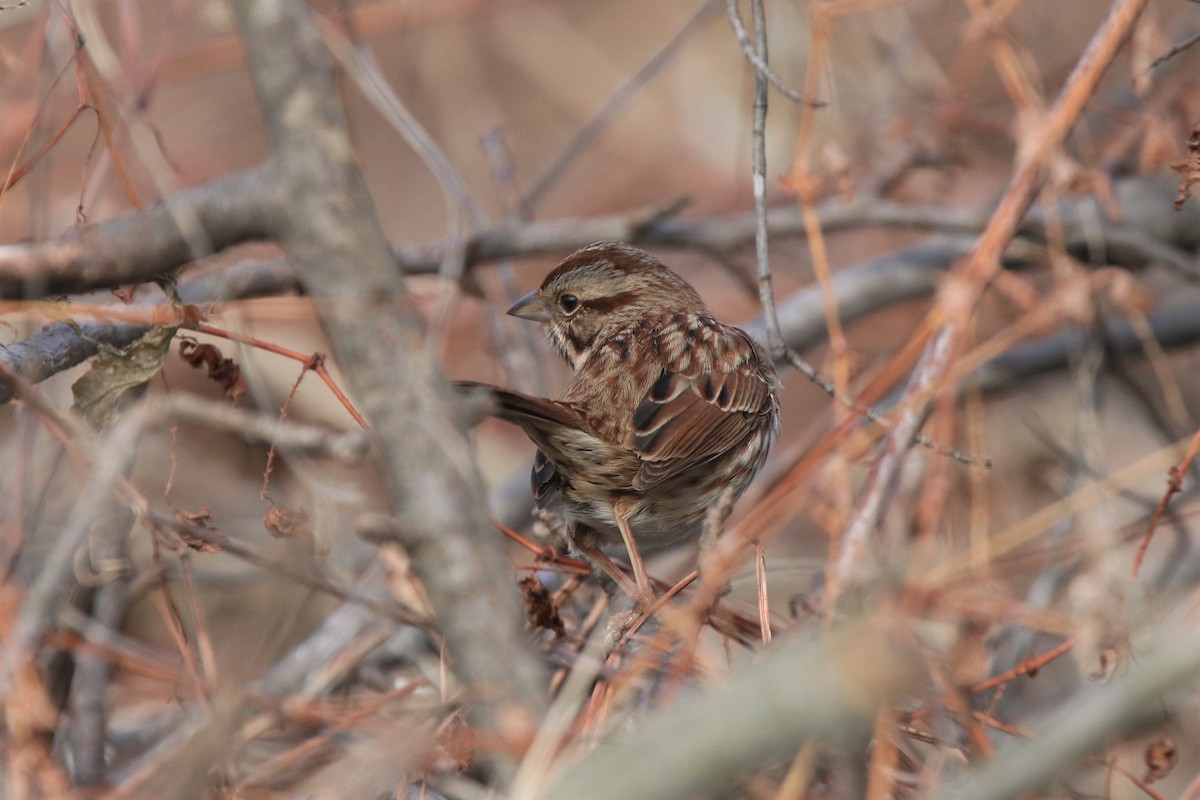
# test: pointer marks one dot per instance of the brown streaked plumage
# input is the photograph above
(667, 406)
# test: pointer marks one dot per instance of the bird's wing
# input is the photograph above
(688, 417)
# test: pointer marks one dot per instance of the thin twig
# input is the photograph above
(381, 344)
(1174, 485)
(760, 582)
(861, 538)
(695, 757)
(758, 169)
(1027, 667)
(1175, 50)
(253, 555)
(56, 576)
(1148, 691)
(756, 53)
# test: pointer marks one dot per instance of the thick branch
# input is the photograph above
(1173, 327)
(332, 235)
(143, 244)
(61, 346)
(1148, 215)
(140, 245)
(701, 747)
(89, 685)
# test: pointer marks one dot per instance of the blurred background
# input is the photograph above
(923, 103)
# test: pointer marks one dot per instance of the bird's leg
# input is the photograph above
(644, 593)
(610, 568)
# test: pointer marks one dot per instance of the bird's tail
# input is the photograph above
(518, 408)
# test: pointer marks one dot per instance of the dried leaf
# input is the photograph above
(115, 372)
(540, 605)
(223, 370)
(286, 523)
(289, 523)
(1189, 168)
(1161, 757)
(1110, 661)
(456, 745)
(199, 519)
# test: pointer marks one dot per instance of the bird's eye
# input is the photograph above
(569, 303)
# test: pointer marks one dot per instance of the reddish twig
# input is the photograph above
(313, 361)
(317, 359)
(764, 608)
(1174, 485)
(662, 600)
(1027, 667)
(544, 554)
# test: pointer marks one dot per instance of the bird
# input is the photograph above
(667, 408)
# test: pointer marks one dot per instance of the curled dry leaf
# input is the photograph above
(199, 519)
(286, 523)
(456, 745)
(289, 523)
(223, 370)
(540, 605)
(1188, 168)
(1111, 660)
(1161, 757)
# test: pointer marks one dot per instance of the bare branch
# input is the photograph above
(701, 747)
(1173, 327)
(1175, 50)
(861, 539)
(348, 267)
(89, 685)
(138, 246)
(60, 346)
(766, 290)
(1150, 232)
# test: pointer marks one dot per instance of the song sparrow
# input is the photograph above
(667, 406)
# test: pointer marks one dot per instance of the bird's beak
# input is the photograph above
(530, 307)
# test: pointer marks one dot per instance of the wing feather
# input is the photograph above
(689, 417)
